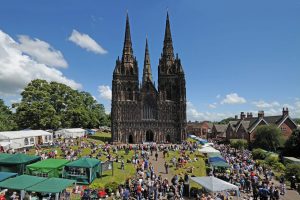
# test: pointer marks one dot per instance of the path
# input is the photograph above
(159, 167)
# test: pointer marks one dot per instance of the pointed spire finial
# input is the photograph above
(127, 49)
(168, 45)
(147, 74)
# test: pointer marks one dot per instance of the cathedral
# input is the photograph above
(142, 112)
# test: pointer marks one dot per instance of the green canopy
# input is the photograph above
(51, 185)
(4, 155)
(21, 182)
(47, 168)
(18, 158)
(84, 163)
(83, 170)
(220, 164)
(16, 162)
(6, 175)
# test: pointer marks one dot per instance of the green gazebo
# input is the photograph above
(47, 168)
(83, 170)
(16, 163)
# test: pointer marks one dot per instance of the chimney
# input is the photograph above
(261, 114)
(285, 111)
(235, 117)
(249, 115)
(243, 115)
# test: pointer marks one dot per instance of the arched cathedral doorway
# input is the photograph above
(149, 136)
(130, 139)
(168, 138)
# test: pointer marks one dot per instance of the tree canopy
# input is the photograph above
(7, 122)
(54, 105)
(268, 138)
(226, 121)
(292, 145)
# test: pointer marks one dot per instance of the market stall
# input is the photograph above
(19, 183)
(47, 168)
(83, 170)
(25, 138)
(71, 133)
(213, 184)
(51, 185)
(16, 162)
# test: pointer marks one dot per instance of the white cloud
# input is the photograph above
(17, 69)
(262, 104)
(86, 42)
(104, 92)
(194, 115)
(218, 96)
(41, 51)
(212, 105)
(233, 98)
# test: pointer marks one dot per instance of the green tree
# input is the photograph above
(53, 105)
(297, 121)
(226, 121)
(239, 143)
(292, 145)
(7, 122)
(268, 138)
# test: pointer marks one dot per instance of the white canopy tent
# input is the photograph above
(71, 133)
(214, 184)
(24, 138)
(208, 149)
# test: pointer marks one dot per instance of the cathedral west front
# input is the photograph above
(140, 111)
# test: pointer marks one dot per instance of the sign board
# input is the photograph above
(106, 166)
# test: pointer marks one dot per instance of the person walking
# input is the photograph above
(156, 155)
(122, 165)
(167, 168)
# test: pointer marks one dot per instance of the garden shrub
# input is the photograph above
(279, 167)
(239, 143)
(111, 187)
(259, 154)
(292, 170)
(271, 160)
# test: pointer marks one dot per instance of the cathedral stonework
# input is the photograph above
(141, 112)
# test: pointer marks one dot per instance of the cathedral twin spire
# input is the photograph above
(167, 53)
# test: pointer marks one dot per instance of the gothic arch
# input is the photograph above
(149, 136)
(130, 139)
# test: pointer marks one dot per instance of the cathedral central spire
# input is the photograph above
(168, 44)
(147, 74)
(127, 49)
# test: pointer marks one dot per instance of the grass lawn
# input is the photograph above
(199, 166)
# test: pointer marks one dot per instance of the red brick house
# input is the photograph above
(245, 127)
(200, 129)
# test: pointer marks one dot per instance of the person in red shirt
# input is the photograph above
(139, 192)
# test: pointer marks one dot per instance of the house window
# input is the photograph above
(32, 140)
(46, 138)
(26, 142)
(283, 129)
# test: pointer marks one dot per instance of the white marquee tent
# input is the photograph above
(208, 149)
(71, 133)
(214, 184)
(24, 138)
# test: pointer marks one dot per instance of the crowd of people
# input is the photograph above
(255, 181)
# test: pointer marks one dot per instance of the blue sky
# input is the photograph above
(237, 55)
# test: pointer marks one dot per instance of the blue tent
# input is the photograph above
(90, 132)
(216, 159)
(6, 175)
